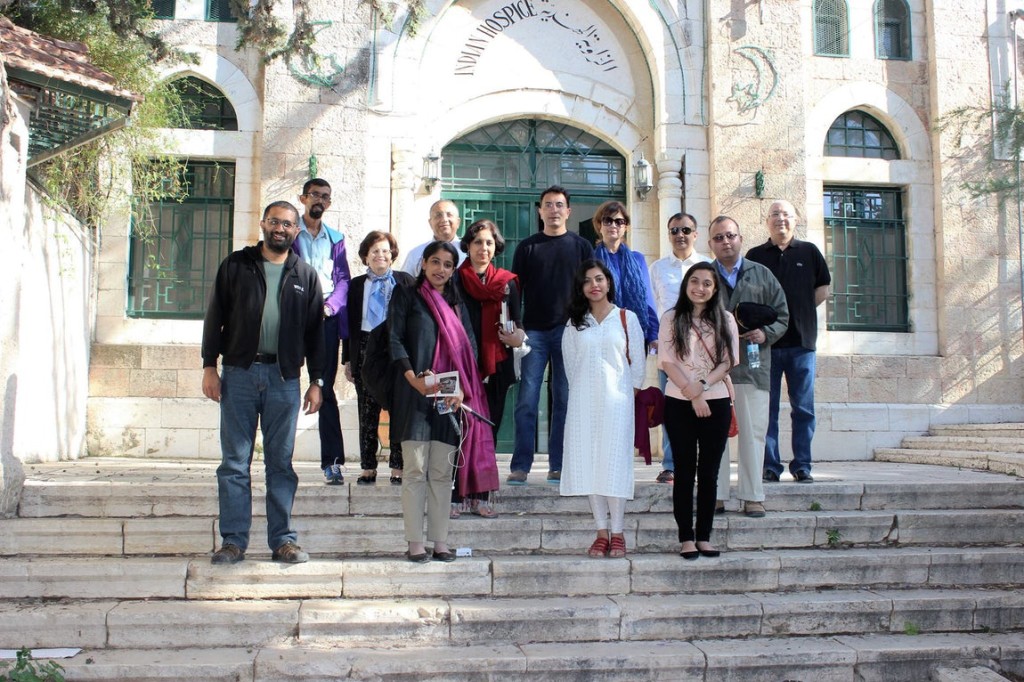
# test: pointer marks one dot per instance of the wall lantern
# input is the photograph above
(642, 177)
(431, 170)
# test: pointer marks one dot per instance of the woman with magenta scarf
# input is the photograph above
(491, 295)
(628, 267)
(430, 333)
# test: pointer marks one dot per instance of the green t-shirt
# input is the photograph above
(271, 323)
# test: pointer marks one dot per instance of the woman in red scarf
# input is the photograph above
(491, 295)
(430, 334)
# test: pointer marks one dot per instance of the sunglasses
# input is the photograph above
(725, 235)
(685, 230)
(617, 222)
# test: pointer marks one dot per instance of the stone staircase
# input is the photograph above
(988, 447)
(878, 571)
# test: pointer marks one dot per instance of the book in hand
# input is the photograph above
(445, 383)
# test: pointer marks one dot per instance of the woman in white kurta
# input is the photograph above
(598, 446)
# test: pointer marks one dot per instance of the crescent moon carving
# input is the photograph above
(751, 95)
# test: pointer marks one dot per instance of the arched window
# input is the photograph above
(204, 107)
(860, 135)
(831, 28)
(892, 29)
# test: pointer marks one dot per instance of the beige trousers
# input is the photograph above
(752, 416)
(426, 479)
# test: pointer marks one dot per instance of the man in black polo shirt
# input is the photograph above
(803, 274)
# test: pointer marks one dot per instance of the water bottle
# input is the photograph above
(753, 355)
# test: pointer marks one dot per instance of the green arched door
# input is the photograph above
(498, 172)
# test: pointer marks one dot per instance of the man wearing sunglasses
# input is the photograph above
(743, 280)
(324, 249)
(264, 320)
(666, 280)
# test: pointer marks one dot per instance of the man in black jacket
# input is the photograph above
(263, 340)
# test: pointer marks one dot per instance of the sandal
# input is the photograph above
(483, 510)
(455, 511)
(396, 480)
(618, 547)
(599, 549)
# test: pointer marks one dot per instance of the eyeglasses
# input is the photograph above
(274, 222)
(685, 230)
(725, 235)
(554, 204)
(617, 222)
(318, 196)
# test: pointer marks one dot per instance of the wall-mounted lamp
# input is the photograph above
(642, 177)
(431, 170)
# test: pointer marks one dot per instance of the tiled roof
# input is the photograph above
(58, 60)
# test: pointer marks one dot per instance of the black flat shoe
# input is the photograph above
(367, 480)
(446, 557)
(710, 553)
(417, 558)
(396, 480)
(690, 556)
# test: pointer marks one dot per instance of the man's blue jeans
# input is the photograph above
(798, 365)
(545, 346)
(251, 396)
(666, 448)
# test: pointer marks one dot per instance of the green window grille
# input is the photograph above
(529, 155)
(831, 28)
(866, 248)
(220, 10)
(203, 106)
(861, 135)
(177, 247)
(892, 29)
(163, 9)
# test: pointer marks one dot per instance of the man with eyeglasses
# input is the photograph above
(666, 280)
(804, 276)
(265, 318)
(444, 224)
(324, 250)
(744, 281)
(546, 263)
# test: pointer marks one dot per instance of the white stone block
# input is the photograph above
(193, 623)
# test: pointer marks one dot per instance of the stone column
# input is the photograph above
(670, 194)
(403, 195)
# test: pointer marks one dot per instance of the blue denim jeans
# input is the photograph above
(546, 346)
(798, 365)
(666, 448)
(250, 396)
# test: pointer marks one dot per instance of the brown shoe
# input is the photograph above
(754, 510)
(228, 554)
(290, 553)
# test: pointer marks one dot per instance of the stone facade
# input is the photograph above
(715, 94)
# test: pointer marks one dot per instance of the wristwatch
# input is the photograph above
(705, 385)
(319, 382)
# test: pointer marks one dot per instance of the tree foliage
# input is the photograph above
(999, 127)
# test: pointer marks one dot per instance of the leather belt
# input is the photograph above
(266, 358)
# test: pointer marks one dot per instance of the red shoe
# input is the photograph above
(599, 549)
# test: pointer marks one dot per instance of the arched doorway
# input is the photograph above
(498, 171)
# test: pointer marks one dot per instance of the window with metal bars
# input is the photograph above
(530, 155)
(220, 10)
(203, 106)
(163, 9)
(892, 29)
(831, 28)
(866, 249)
(176, 250)
(861, 135)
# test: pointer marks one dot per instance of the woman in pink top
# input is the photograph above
(697, 346)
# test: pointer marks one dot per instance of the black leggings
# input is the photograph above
(697, 447)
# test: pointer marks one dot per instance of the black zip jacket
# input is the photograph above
(232, 324)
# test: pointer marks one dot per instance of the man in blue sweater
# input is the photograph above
(545, 263)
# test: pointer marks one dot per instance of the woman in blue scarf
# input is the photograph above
(628, 267)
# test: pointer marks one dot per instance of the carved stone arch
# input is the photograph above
(231, 81)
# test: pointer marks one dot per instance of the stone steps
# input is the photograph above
(985, 447)
(877, 571)
(510, 576)
(395, 623)
(997, 430)
(998, 462)
(961, 443)
(359, 536)
(842, 658)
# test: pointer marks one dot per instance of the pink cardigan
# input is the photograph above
(698, 364)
